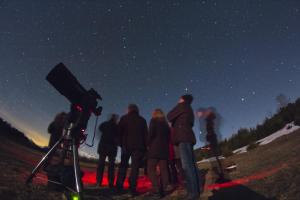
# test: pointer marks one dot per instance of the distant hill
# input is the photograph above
(11, 133)
(244, 137)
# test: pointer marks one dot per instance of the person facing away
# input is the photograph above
(133, 131)
(182, 120)
(210, 117)
(158, 152)
(107, 147)
(55, 129)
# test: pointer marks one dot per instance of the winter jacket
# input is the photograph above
(158, 139)
(133, 132)
(211, 136)
(108, 141)
(56, 131)
(182, 119)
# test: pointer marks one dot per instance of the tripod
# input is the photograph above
(69, 146)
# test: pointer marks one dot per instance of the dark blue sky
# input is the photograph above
(235, 55)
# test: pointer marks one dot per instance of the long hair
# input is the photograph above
(158, 114)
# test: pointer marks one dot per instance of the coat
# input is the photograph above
(108, 141)
(211, 136)
(133, 132)
(56, 131)
(182, 119)
(158, 139)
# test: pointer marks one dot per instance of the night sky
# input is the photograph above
(235, 55)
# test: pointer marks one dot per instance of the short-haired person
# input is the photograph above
(158, 152)
(55, 129)
(107, 147)
(133, 131)
(182, 119)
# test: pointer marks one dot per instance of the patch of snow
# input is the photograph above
(210, 159)
(241, 150)
(85, 154)
(231, 167)
(287, 129)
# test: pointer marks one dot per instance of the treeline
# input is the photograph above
(285, 114)
(9, 132)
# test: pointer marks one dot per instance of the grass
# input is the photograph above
(282, 154)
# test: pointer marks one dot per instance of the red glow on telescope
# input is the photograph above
(79, 108)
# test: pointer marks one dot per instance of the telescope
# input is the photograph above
(83, 104)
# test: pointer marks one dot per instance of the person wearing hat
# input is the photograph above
(182, 120)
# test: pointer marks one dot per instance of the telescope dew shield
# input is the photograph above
(66, 83)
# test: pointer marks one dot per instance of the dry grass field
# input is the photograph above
(267, 172)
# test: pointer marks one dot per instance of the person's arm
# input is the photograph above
(174, 113)
(121, 131)
(101, 127)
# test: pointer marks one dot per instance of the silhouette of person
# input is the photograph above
(182, 119)
(133, 132)
(158, 152)
(107, 147)
(55, 129)
(209, 121)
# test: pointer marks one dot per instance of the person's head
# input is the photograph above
(132, 108)
(60, 118)
(158, 114)
(114, 117)
(205, 112)
(201, 112)
(187, 98)
(210, 113)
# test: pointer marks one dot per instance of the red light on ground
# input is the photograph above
(247, 179)
(143, 183)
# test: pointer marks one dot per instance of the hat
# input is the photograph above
(188, 98)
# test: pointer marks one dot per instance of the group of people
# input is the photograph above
(160, 142)
(166, 145)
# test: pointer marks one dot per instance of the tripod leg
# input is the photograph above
(78, 181)
(42, 161)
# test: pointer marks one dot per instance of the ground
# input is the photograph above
(267, 172)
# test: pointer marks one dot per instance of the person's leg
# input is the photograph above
(190, 170)
(163, 166)
(217, 152)
(122, 169)
(173, 178)
(181, 176)
(100, 169)
(151, 166)
(111, 170)
(136, 158)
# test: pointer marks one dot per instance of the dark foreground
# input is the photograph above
(267, 172)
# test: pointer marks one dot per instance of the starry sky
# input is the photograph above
(234, 55)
